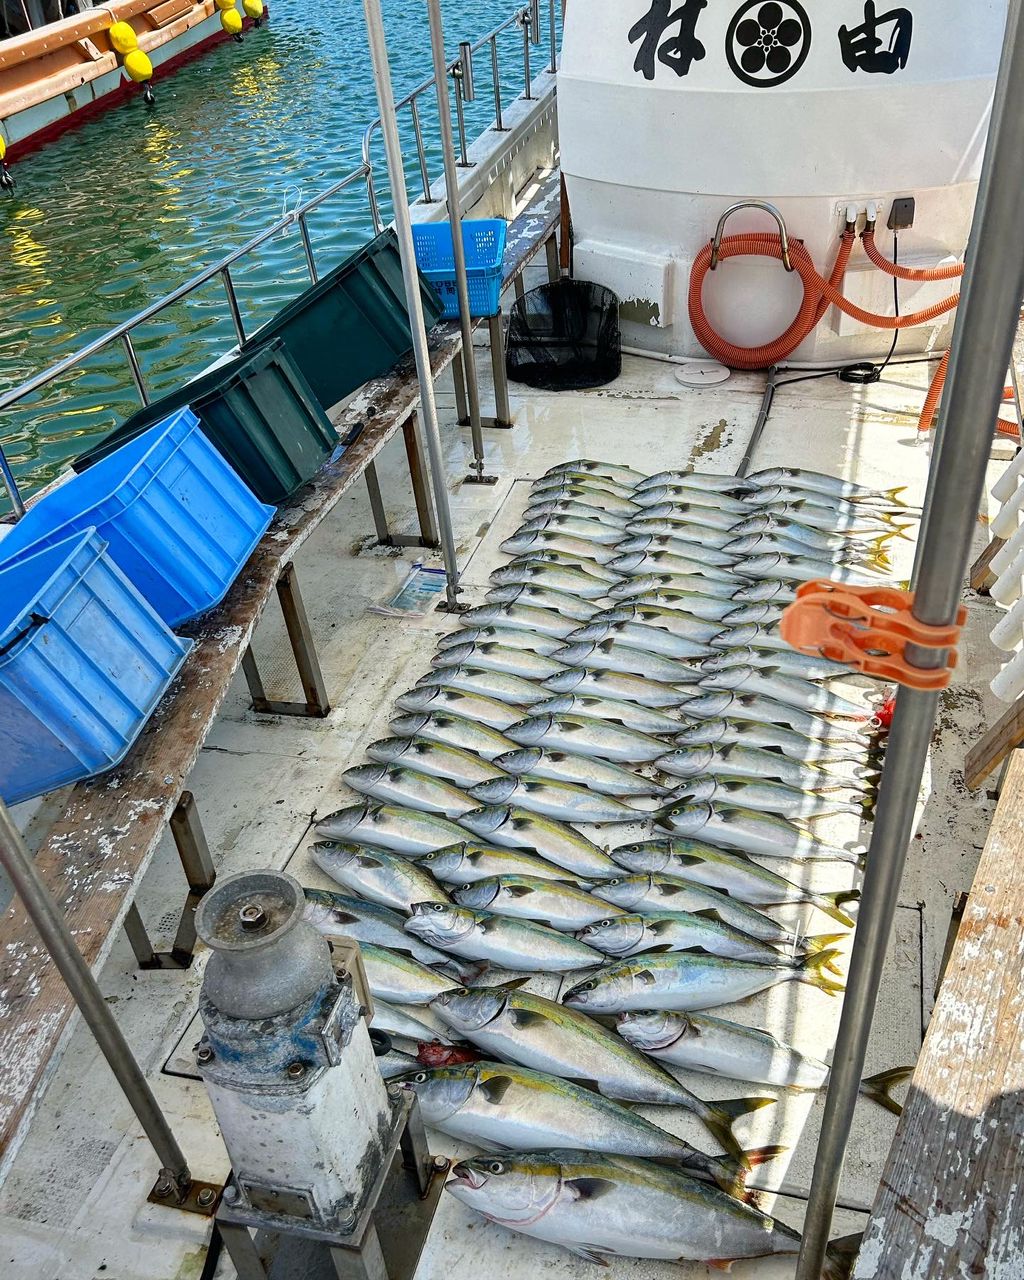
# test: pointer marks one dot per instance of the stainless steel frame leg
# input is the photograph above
(420, 486)
(503, 411)
(461, 403)
(242, 1251)
(519, 286)
(380, 518)
(190, 841)
(300, 638)
(365, 1264)
(554, 268)
(415, 1151)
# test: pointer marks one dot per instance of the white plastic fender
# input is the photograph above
(1011, 477)
(1009, 683)
(1008, 633)
(1007, 519)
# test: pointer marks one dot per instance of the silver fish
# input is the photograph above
(655, 894)
(623, 475)
(510, 637)
(765, 592)
(454, 731)
(403, 1024)
(398, 978)
(750, 635)
(587, 736)
(773, 738)
(694, 604)
(787, 569)
(574, 582)
(516, 828)
(685, 981)
(533, 1032)
(585, 771)
(562, 800)
(647, 526)
(780, 503)
(395, 784)
(616, 503)
(641, 635)
(819, 482)
(572, 560)
(692, 549)
(691, 513)
(800, 534)
(519, 617)
(783, 662)
(573, 509)
(719, 482)
(633, 935)
(730, 872)
(665, 562)
(497, 1105)
(337, 915)
(687, 496)
(558, 905)
(394, 1063)
(678, 622)
(571, 526)
(390, 826)
(597, 1205)
(617, 685)
(764, 796)
(463, 768)
(490, 656)
(468, 863)
(611, 655)
(377, 875)
(459, 702)
(765, 614)
(628, 714)
(734, 760)
(518, 945)
(575, 550)
(763, 835)
(794, 693)
(499, 685)
(757, 544)
(542, 597)
(591, 481)
(733, 704)
(640, 587)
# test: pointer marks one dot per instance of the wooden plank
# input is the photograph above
(951, 1200)
(981, 576)
(105, 839)
(1006, 735)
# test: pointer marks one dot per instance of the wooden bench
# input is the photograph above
(951, 1200)
(99, 849)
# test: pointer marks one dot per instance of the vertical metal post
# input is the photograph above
(377, 509)
(135, 367)
(499, 123)
(307, 248)
(11, 485)
(301, 639)
(200, 874)
(460, 119)
(451, 180)
(233, 307)
(48, 920)
(421, 150)
(553, 34)
(421, 349)
(982, 344)
(524, 22)
(371, 194)
(418, 479)
(502, 408)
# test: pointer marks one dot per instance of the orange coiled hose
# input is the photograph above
(931, 404)
(819, 293)
(952, 272)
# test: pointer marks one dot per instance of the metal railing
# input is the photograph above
(527, 18)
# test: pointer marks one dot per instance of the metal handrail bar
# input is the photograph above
(123, 330)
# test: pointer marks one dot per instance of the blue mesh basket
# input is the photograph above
(484, 242)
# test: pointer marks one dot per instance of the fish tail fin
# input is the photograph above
(832, 904)
(815, 942)
(813, 971)
(730, 1172)
(720, 1116)
(879, 1087)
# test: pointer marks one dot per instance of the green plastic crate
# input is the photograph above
(258, 410)
(352, 325)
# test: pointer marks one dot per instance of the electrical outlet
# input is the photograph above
(901, 215)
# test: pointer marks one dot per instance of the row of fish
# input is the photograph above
(624, 669)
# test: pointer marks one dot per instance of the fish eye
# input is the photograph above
(420, 1077)
(496, 1166)
(605, 924)
(589, 985)
(437, 906)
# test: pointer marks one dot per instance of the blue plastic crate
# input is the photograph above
(83, 661)
(484, 242)
(179, 521)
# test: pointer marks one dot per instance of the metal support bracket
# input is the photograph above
(194, 852)
(502, 407)
(300, 637)
(198, 1197)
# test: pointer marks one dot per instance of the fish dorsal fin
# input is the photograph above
(589, 1188)
(709, 913)
(495, 1088)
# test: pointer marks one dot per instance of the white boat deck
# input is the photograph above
(74, 1206)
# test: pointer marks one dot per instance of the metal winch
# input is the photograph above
(311, 1130)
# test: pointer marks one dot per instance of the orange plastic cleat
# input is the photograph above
(868, 629)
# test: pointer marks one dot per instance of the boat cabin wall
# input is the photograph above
(670, 114)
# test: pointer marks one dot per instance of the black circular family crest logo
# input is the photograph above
(768, 43)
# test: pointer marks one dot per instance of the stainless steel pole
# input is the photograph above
(421, 350)
(982, 348)
(451, 187)
(11, 485)
(46, 916)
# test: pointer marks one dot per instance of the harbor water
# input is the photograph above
(116, 213)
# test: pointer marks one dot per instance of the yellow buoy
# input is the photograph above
(138, 66)
(122, 38)
(3, 149)
(253, 9)
(231, 21)
(224, 5)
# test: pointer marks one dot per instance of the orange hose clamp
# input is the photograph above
(868, 629)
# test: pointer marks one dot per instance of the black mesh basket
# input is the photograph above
(565, 336)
